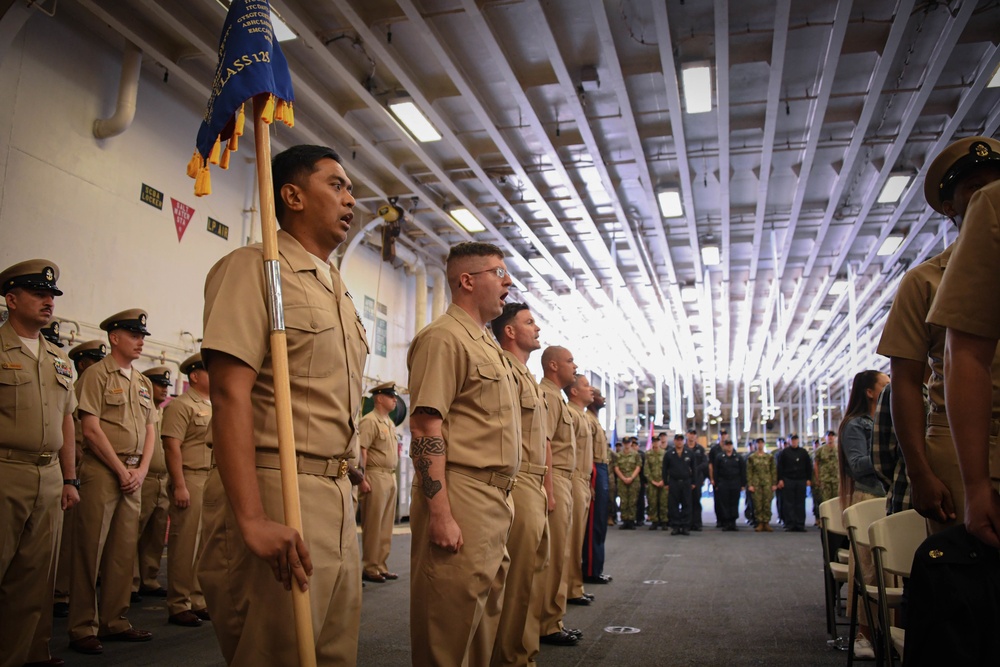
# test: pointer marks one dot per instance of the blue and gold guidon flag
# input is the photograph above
(250, 64)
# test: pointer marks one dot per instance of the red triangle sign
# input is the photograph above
(182, 216)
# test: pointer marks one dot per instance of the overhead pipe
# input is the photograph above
(128, 91)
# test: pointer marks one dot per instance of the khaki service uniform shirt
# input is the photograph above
(377, 436)
(533, 418)
(584, 435)
(457, 369)
(187, 418)
(158, 461)
(560, 429)
(36, 394)
(908, 335)
(968, 298)
(601, 449)
(123, 404)
(326, 344)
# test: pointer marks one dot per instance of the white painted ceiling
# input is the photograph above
(560, 120)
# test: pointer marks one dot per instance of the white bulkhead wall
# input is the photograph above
(74, 199)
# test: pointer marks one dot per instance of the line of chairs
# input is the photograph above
(893, 540)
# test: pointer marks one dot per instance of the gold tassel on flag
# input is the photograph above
(267, 115)
(241, 119)
(213, 157)
(194, 164)
(224, 160)
(203, 184)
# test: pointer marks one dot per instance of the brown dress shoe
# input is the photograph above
(130, 635)
(186, 618)
(202, 614)
(90, 645)
(392, 576)
(374, 578)
(51, 662)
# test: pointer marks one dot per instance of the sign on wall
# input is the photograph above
(219, 229)
(151, 196)
(369, 308)
(381, 335)
(182, 217)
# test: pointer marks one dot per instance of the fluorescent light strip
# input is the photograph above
(893, 188)
(890, 245)
(838, 287)
(697, 88)
(415, 121)
(282, 32)
(710, 255)
(995, 80)
(469, 222)
(670, 203)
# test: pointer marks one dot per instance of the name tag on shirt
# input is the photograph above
(119, 390)
(10, 366)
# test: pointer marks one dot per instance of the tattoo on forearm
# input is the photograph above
(421, 449)
(427, 446)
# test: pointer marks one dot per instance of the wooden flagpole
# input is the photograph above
(279, 360)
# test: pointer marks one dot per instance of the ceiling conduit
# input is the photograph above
(128, 91)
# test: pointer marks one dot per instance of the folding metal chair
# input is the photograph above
(834, 570)
(858, 518)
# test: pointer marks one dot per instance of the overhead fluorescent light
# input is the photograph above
(282, 32)
(697, 78)
(890, 245)
(670, 202)
(413, 120)
(710, 252)
(823, 314)
(689, 293)
(995, 79)
(469, 222)
(540, 264)
(838, 287)
(893, 188)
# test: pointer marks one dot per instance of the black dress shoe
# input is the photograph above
(675, 531)
(582, 602)
(90, 645)
(130, 635)
(390, 576)
(51, 662)
(186, 618)
(589, 596)
(135, 598)
(574, 632)
(60, 609)
(599, 579)
(697, 529)
(202, 614)
(560, 638)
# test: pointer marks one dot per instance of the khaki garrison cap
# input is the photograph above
(51, 333)
(133, 320)
(387, 388)
(39, 274)
(953, 163)
(192, 364)
(158, 375)
(95, 349)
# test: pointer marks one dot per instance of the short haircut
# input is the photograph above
(694, 431)
(291, 165)
(728, 442)
(831, 433)
(510, 311)
(759, 440)
(678, 437)
(473, 249)
(570, 387)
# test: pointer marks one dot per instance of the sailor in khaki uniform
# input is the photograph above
(379, 457)
(249, 558)
(580, 394)
(154, 503)
(83, 357)
(559, 371)
(37, 460)
(466, 448)
(517, 637)
(119, 427)
(184, 431)
(915, 347)
(966, 304)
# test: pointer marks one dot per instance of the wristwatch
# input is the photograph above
(72, 482)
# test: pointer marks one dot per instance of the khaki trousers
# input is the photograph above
(251, 612)
(64, 561)
(517, 635)
(30, 523)
(152, 531)
(574, 554)
(183, 590)
(104, 542)
(456, 598)
(553, 603)
(378, 513)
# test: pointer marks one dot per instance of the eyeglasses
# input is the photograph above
(500, 271)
